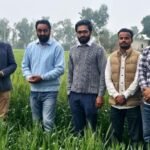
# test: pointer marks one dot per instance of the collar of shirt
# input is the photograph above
(89, 43)
(127, 53)
(49, 42)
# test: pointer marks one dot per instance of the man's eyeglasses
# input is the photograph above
(44, 30)
(83, 32)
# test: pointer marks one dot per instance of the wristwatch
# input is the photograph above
(1, 73)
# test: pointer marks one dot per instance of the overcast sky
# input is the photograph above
(122, 13)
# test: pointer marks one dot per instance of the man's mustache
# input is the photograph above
(83, 37)
(123, 43)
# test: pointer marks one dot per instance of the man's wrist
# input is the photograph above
(124, 97)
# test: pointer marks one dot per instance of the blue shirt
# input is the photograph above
(45, 60)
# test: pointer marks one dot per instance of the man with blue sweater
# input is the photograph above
(42, 65)
(7, 67)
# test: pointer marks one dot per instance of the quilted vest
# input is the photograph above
(130, 70)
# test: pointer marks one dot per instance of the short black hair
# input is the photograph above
(126, 30)
(85, 23)
(43, 21)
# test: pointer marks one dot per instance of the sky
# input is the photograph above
(122, 13)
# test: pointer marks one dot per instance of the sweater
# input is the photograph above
(86, 69)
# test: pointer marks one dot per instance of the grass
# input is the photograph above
(19, 133)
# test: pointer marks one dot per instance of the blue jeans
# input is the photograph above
(43, 106)
(83, 111)
(146, 122)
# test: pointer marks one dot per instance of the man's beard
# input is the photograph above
(43, 38)
(83, 39)
(125, 47)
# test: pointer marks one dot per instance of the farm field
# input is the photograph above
(19, 133)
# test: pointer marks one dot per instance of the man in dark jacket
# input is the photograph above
(7, 67)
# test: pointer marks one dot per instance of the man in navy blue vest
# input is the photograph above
(7, 67)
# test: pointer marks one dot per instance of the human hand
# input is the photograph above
(146, 93)
(120, 100)
(99, 102)
(35, 79)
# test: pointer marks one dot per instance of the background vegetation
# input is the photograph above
(19, 133)
(22, 32)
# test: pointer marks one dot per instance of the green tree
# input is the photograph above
(64, 33)
(4, 29)
(46, 17)
(98, 18)
(108, 40)
(135, 30)
(146, 25)
(104, 38)
(113, 42)
(25, 32)
(14, 38)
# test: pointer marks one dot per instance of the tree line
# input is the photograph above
(23, 32)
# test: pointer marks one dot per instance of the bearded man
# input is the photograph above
(121, 77)
(42, 66)
(86, 81)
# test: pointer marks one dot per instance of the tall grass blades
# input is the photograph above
(20, 133)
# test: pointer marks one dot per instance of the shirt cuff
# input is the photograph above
(142, 88)
(43, 77)
(27, 77)
(68, 92)
(101, 94)
(115, 95)
(125, 95)
(1, 73)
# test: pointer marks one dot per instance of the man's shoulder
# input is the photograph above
(31, 46)
(55, 42)
(114, 53)
(148, 47)
(93, 45)
(146, 50)
(33, 43)
(5, 47)
(73, 48)
(4, 44)
(136, 52)
(97, 46)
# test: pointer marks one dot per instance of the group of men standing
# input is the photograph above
(126, 74)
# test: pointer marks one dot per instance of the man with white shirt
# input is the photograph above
(121, 77)
(86, 78)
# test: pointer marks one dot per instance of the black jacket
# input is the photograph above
(7, 65)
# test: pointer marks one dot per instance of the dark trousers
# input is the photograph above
(134, 121)
(83, 111)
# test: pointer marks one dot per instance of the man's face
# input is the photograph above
(125, 40)
(83, 34)
(43, 33)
